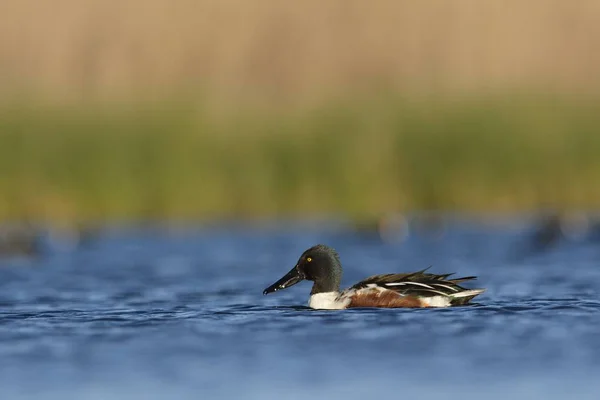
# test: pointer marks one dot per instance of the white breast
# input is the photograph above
(328, 301)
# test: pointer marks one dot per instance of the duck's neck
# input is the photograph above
(327, 286)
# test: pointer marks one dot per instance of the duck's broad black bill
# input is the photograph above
(290, 279)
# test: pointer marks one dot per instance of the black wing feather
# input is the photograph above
(417, 283)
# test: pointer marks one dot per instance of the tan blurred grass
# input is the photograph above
(294, 51)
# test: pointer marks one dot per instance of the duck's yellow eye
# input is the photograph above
(308, 259)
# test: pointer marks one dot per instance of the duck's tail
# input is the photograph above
(462, 298)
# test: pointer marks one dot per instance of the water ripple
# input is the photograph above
(150, 322)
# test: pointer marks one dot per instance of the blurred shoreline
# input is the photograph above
(177, 159)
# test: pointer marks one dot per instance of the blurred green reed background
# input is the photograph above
(238, 109)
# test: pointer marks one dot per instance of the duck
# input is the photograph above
(321, 264)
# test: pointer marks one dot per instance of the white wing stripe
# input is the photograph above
(408, 283)
(445, 286)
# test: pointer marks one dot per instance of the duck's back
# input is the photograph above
(416, 289)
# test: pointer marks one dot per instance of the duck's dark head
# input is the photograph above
(320, 264)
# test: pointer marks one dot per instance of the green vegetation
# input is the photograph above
(178, 160)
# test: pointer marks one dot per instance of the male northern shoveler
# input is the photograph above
(321, 264)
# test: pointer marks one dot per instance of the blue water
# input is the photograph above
(161, 312)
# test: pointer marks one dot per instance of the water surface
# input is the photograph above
(154, 313)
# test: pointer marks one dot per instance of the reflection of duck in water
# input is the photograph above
(26, 240)
(321, 264)
(431, 226)
(554, 228)
(547, 233)
(20, 241)
(71, 237)
(594, 230)
(396, 228)
(386, 228)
